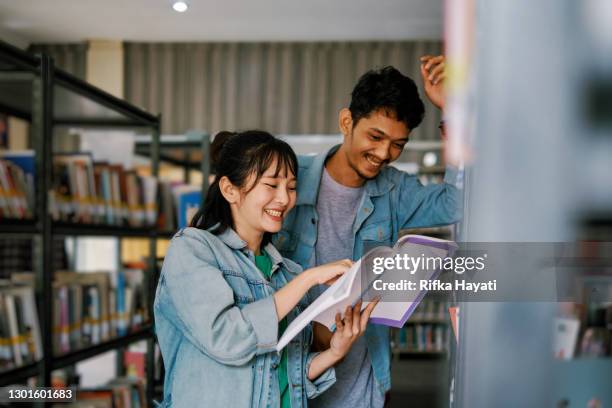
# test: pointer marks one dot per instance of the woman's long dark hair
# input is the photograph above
(237, 156)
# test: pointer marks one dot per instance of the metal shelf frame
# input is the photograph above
(19, 374)
(18, 227)
(192, 141)
(67, 229)
(74, 357)
(30, 228)
(42, 80)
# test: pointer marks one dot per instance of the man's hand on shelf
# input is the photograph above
(433, 74)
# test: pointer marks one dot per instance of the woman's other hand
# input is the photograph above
(349, 329)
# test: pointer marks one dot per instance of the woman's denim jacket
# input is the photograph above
(217, 326)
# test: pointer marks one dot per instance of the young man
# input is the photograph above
(348, 197)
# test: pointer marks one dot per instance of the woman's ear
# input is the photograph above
(345, 121)
(228, 190)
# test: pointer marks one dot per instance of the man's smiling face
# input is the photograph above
(376, 140)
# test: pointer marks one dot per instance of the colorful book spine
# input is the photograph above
(121, 311)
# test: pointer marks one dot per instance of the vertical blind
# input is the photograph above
(69, 57)
(285, 88)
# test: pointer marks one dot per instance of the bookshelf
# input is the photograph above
(29, 228)
(427, 332)
(189, 151)
(33, 89)
(426, 344)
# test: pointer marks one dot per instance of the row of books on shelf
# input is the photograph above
(127, 391)
(85, 191)
(121, 392)
(20, 341)
(589, 337)
(421, 338)
(91, 192)
(430, 310)
(87, 310)
(178, 203)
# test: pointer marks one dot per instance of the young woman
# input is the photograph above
(225, 293)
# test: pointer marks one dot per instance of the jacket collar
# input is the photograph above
(310, 180)
(230, 238)
(233, 240)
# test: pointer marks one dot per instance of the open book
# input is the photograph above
(357, 283)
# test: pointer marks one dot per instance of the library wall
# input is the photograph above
(104, 67)
(18, 133)
(284, 87)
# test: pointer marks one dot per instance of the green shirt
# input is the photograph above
(264, 264)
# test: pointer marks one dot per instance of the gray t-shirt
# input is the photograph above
(337, 206)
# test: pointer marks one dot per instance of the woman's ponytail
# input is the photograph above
(215, 205)
(216, 210)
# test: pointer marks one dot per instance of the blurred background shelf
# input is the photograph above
(92, 351)
(18, 374)
(69, 229)
(18, 227)
(32, 88)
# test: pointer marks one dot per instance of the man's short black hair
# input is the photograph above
(388, 90)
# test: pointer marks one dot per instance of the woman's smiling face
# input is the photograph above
(263, 206)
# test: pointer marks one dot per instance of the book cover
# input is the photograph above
(13, 197)
(347, 290)
(23, 172)
(25, 159)
(6, 348)
(188, 200)
(13, 326)
(121, 309)
(565, 336)
(81, 180)
(29, 318)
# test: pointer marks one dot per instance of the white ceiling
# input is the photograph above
(29, 21)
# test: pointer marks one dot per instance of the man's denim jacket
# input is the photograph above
(394, 200)
(217, 326)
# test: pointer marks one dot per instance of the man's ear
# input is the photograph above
(345, 121)
(228, 190)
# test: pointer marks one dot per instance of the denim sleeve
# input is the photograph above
(431, 205)
(320, 384)
(206, 312)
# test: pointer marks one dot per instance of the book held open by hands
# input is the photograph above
(358, 283)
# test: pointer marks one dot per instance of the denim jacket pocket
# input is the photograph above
(245, 289)
(374, 236)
